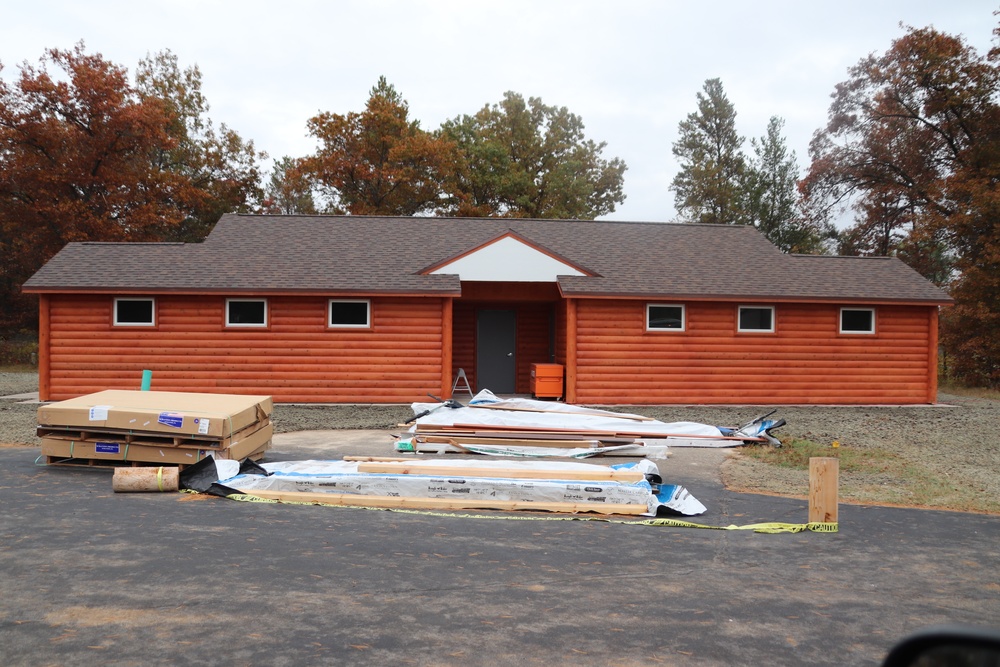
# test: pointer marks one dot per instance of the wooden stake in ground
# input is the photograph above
(824, 473)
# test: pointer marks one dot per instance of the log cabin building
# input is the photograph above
(356, 309)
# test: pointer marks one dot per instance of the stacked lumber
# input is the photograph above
(562, 433)
(466, 437)
(514, 427)
(462, 485)
(117, 427)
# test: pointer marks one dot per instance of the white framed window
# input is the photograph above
(131, 312)
(857, 320)
(349, 313)
(246, 312)
(665, 317)
(759, 319)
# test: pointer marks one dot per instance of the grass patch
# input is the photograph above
(795, 454)
(970, 392)
(876, 476)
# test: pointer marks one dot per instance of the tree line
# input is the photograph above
(909, 155)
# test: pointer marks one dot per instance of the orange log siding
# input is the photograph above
(295, 359)
(804, 361)
(609, 356)
(464, 341)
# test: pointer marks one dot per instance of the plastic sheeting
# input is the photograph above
(522, 413)
(344, 477)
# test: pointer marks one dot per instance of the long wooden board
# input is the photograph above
(604, 436)
(378, 458)
(507, 442)
(411, 468)
(356, 500)
(608, 415)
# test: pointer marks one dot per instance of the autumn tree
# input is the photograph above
(222, 167)
(378, 161)
(710, 184)
(528, 159)
(87, 156)
(912, 147)
(75, 147)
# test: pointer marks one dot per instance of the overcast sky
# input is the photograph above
(629, 69)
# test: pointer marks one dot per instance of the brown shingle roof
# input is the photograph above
(372, 255)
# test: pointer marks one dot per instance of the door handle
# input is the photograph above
(510, 354)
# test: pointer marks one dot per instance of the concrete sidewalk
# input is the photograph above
(88, 576)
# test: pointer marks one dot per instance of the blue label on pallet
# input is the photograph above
(171, 419)
(108, 448)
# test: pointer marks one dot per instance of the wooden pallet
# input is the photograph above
(111, 464)
(147, 438)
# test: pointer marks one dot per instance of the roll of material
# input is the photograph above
(145, 480)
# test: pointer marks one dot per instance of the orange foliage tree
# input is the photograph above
(85, 156)
(75, 165)
(377, 162)
(913, 142)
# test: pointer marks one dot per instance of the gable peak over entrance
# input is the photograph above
(509, 257)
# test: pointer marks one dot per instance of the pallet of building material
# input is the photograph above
(505, 469)
(517, 449)
(457, 503)
(488, 413)
(544, 438)
(632, 488)
(147, 438)
(253, 445)
(507, 441)
(178, 414)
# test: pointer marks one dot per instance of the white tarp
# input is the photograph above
(523, 413)
(408, 444)
(344, 477)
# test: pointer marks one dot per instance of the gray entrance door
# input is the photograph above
(496, 333)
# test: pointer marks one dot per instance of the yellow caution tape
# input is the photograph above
(766, 528)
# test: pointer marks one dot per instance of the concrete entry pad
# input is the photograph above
(90, 577)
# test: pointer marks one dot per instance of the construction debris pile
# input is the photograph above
(524, 427)
(118, 427)
(217, 440)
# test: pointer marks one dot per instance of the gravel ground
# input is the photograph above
(953, 446)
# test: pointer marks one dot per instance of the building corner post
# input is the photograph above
(44, 343)
(570, 351)
(932, 354)
(447, 310)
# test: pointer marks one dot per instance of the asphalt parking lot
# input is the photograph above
(92, 577)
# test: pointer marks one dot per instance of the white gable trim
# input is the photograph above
(508, 259)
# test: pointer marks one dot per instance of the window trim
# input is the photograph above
(840, 322)
(247, 325)
(739, 325)
(329, 314)
(114, 312)
(683, 326)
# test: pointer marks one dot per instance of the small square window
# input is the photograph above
(246, 312)
(756, 318)
(135, 312)
(663, 317)
(350, 313)
(857, 320)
